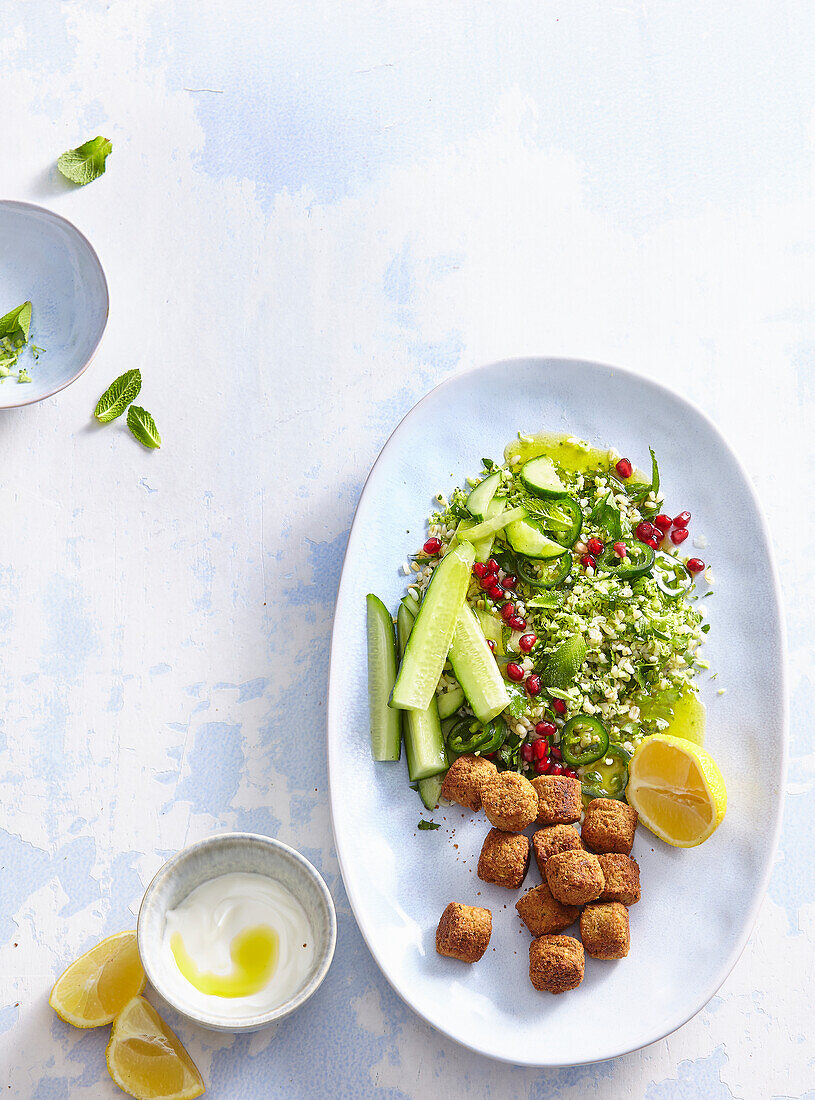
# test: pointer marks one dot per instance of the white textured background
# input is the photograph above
(369, 197)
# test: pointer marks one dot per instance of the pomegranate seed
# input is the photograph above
(526, 642)
(644, 531)
(682, 520)
(432, 546)
(555, 753)
(540, 750)
(515, 672)
(695, 565)
(487, 580)
(479, 569)
(492, 566)
(491, 644)
(620, 550)
(679, 535)
(594, 547)
(533, 684)
(572, 774)
(510, 580)
(555, 769)
(663, 522)
(515, 622)
(558, 706)
(526, 752)
(495, 591)
(546, 729)
(624, 468)
(653, 542)
(507, 611)
(588, 562)
(541, 766)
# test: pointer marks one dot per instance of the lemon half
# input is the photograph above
(100, 983)
(146, 1058)
(677, 789)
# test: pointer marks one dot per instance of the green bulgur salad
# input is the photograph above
(551, 623)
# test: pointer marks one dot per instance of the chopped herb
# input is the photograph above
(424, 825)
(15, 327)
(143, 427)
(118, 396)
(87, 162)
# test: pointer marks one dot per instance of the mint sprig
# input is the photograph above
(87, 162)
(118, 396)
(143, 427)
(16, 325)
(14, 329)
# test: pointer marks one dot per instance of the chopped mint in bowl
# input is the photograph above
(53, 303)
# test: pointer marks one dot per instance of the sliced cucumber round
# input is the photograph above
(480, 498)
(527, 537)
(541, 478)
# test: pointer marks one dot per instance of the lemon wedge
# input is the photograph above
(146, 1059)
(100, 983)
(677, 789)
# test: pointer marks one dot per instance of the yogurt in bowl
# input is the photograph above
(236, 931)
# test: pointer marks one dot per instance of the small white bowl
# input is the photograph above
(44, 259)
(221, 855)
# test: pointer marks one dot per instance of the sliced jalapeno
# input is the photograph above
(548, 574)
(469, 736)
(498, 735)
(671, 576)
(561, 519)
(572, 736)
(639, 559)
(604, 780)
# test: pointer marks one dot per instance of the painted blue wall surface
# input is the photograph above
(312, 214)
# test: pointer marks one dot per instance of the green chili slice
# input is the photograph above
(561, 519)
(572, 736)
(468, 735)
(607, 780)
(671, 576)
(639, 559)
(549, 573)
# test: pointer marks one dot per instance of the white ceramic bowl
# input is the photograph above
(221, 855)
(44, 259)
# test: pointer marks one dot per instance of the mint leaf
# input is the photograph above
(143, 426)
(16, 324)
(518, 701)
(428, 824)
(87, 162)
(118, 396)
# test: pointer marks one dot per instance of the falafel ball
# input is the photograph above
(604, 930)
(556, 963)
(560, 799)
(504, 859)
(575, 878)
(543, 914)
(609, 826)
(465, 779)
(509, 801)
(547, 842)
(464, 932)
(622, 875)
